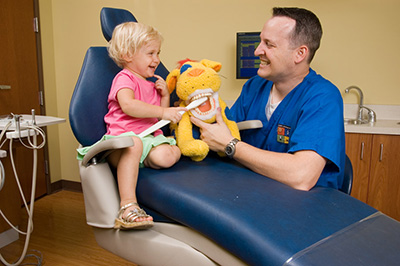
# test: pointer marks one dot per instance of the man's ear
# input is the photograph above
(172, 79)
(302, 53)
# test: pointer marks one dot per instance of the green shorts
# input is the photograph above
(148, 143)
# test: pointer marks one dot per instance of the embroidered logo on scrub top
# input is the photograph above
(283, 134)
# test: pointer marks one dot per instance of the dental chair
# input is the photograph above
(216, 212)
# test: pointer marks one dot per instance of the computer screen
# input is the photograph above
(246, 62)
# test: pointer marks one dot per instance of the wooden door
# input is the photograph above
(18, 58)
(384, 185)
(358, 148)
(19, 84)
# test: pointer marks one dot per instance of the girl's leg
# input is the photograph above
(127, 163)
(163, 156)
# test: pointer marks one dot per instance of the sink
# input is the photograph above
(348, 121)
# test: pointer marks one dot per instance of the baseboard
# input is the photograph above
(66, 185)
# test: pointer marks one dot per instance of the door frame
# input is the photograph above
(41, 90)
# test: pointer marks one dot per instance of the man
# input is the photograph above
(301, 143)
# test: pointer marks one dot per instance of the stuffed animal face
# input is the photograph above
(195, 80)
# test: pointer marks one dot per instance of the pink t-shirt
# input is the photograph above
(117, 121)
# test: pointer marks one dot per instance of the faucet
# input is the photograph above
(371, 113)
(361, 104)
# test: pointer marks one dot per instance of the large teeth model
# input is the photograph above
(201, 95)
(211, 104)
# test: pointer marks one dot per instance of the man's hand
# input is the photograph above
(216, 135)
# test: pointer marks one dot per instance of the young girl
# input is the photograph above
(134, 105)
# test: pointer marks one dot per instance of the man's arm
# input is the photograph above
(299, 170)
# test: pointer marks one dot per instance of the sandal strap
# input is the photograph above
(123, 208)
(129, 205)
(134, 214)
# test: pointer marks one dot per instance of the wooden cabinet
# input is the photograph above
(358, 148)
(376, 168)
(384, 183)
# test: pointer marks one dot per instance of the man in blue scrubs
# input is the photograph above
(302, 141)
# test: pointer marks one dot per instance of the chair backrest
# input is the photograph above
(348, 177)
(89, 101)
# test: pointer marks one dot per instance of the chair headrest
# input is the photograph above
(111, 17)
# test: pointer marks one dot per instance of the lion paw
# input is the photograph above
(196, 149)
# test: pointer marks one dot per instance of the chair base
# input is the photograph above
(164, 244)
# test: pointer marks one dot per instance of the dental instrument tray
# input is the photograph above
(26, 120)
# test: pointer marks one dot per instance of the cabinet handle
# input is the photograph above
(381, 154)
(362, 151)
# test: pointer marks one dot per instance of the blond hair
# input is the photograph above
(128, 38)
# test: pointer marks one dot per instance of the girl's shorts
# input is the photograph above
(149, 142)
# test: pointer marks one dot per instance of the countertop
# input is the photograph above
(387, 120)
(388, 127)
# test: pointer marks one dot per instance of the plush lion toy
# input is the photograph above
(194, 80)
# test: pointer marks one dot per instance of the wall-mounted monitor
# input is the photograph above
(246, 62)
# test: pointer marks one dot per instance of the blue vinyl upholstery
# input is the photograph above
(89, 101)
(348, 177)
(111, 17)
(260, 220)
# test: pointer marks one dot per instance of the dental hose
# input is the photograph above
(35, 147)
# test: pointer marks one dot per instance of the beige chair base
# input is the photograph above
(163, 244)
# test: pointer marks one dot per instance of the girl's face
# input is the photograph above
(145, 61)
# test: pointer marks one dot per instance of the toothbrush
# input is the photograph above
(164, 122)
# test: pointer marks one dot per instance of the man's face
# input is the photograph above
(275, 51)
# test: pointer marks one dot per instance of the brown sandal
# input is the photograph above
(128, 222)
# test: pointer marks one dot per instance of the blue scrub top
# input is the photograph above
(310, 117)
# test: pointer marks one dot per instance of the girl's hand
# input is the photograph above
(173, 114)
(161, 86)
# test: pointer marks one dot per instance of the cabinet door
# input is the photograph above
(384, 185)
(358, 148)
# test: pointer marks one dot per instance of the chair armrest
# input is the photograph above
(102, 149)
(249, 124)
